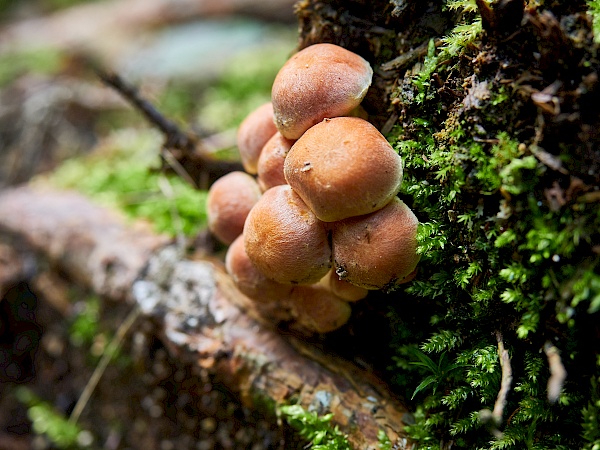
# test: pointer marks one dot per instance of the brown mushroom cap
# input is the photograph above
(228, 203)
(285, 240)
(319, 310)
(270, 162)
(342, 288)
(323, 80)
(343, 167)
(377, 251)
(248, 279)
(253, 133)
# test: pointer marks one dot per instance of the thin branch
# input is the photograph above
(506, 380)
(558, 373)
(177, 167)
(175, 138)
(182, 152)
(107, 356)
(494, 418)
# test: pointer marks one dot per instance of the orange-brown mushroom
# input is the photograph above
(248, 279)
(323, 80)
(318, 310)
(343, 167)
(270, 162)
(378, 250)
(342, 288)
(285, 240)
(253, 133)
(228, 203)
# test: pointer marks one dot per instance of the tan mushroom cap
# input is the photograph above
(285, 240)
(377, 251)
(342, 288)
(253, 133)
(319, 310)
(248, 279)
(270, 162)
(228, 203)
(343, 167)
(323, 80)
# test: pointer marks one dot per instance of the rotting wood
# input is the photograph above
(202, 317)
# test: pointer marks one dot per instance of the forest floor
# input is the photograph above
(144, 399)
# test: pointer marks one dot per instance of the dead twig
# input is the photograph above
(494, 418)
(506, 380)
(107, 356)
(175, 138)
(182, 152)
(409, 57)
(558, 374)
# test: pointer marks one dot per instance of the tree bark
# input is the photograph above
(204, 320)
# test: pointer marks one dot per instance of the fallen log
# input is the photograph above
(201, 314)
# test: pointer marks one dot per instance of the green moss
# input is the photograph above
(497, 257)
(263, 403)
(591, 417)
(122, 174)
(13, 64)
(84, 326)
(515, 264)
(464, 33)
(48, 422)
(594, 12)
(317, 430)
(384, 441)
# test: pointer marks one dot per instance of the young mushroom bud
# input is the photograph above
(248, 279)
(323, 80)
(318, 310)
(343, 167)
(341, 288)
(285, 240)
(228, 203)
(270, 162)
(379, 250)
(253, 133)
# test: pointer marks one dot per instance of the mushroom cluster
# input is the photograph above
(314, 221)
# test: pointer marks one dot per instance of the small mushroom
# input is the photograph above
(270, 162)
(253, 133)
(341, 288)
(343, 167)
(228, 203)
(319, 310)
(323, 80)
(248, 279)
(378, 250)
(285, 240)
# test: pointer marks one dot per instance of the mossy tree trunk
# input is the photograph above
(493, 106)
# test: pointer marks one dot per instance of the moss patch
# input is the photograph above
(508, 236)
(122, 174)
